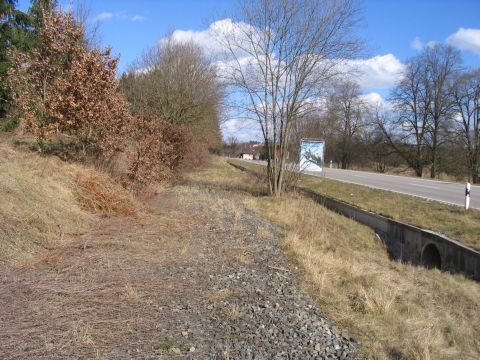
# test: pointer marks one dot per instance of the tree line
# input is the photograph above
(430, 121)
(62, 90)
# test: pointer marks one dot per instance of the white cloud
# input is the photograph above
(137, 18)
(121, 15)
(103, 16)
(373, 98)
(466, 39)
(242, 129)
(379, 72)
(376, 101)
(208, 39)
(416, 44)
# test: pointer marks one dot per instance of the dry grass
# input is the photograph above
(396, 311)
(234, 312)
(220, 295)
(99, 194)
(38, 210)
(263, 234)
(45, 202)
(447, 219)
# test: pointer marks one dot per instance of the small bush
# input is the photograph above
(64, 89)
(157, 149)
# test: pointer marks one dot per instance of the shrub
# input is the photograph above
(61, 87)
(157, 149)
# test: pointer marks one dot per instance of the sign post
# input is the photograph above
(467, 196)
(312, 155)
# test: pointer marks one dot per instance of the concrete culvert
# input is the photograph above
(431, 257)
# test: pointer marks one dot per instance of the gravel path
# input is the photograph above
(254, 310)
(200, 279)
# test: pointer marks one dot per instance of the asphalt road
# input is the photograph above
(447, 192)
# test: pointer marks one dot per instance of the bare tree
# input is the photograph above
(175, 81)
(442, 64)
(466, 98)
(348, 112)
(82, 13)
(407, 128)
(423, 107)
(280, 55)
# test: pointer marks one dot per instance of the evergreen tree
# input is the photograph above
(15, 32)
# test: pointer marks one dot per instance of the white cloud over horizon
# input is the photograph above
(242, 129)
(377, 72)
(104, 16)
(419, 45)
(466, 40)
(463, 39)
(380, 71)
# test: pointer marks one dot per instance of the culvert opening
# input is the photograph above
(431, 257)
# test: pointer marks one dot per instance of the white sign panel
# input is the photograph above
(311, 154)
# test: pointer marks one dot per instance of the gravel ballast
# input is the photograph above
(200, 277)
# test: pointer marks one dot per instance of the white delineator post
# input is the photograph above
(331, 163)
(467, 196)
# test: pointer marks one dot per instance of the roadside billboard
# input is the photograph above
(312, 154)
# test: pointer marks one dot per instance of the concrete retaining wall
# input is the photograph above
(405, 242)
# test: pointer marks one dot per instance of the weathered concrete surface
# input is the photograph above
(406, 242)
(409, 243)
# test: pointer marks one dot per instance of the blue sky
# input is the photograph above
(393, 31)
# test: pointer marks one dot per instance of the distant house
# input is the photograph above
(245, 156)
(251, 151)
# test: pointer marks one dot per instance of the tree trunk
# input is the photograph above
(419, 171)
(433, 169)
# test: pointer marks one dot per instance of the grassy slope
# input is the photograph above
(395, 310)
(447, 219)
(38, 207)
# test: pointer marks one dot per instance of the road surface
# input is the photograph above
(447, 192)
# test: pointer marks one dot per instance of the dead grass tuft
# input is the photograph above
(98, 194)
(131, 294)
(234, 312)
(263, 234)
(220, 295)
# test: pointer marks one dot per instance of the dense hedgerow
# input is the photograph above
(63, 91)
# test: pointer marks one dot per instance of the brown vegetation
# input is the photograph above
(451, 220)
(64, 88)
(98, 194)
(158, 147)
(396, 311)
(175, 81)
(65, 94)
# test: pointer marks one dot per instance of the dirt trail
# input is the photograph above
(199, 278)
